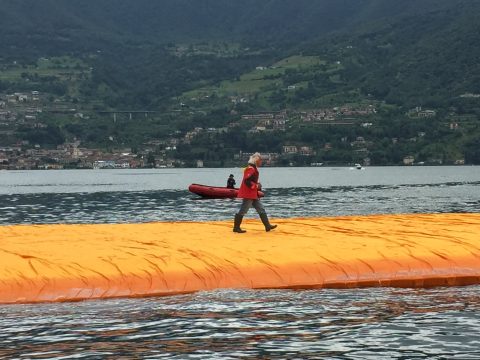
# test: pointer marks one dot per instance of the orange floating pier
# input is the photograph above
(40, 263)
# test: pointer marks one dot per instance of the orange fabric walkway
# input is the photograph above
(74, 262)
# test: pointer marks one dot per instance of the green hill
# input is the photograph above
(205, 63)
(56, 25)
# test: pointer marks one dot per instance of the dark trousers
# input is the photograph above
(248, 203)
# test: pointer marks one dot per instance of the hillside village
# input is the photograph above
(26, 110)
(29, 111)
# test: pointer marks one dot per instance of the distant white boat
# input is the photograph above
(357, 167)
(316, 164)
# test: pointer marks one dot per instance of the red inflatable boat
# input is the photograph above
(215, 192)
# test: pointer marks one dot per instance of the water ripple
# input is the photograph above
(169, 205)
(233, 324)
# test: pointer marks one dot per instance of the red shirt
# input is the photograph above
(249, 186)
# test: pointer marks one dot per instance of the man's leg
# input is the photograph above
(257, 204)
(246, 204)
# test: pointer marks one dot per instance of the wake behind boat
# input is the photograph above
(216, 192)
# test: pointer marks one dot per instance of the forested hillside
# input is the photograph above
(206, 63)
(58, 25)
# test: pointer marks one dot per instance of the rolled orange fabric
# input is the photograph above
(73, 262)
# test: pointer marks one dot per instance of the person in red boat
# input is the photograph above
(231, 182)
(248, 191)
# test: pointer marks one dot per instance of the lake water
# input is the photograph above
(106, 196)
(442, 323)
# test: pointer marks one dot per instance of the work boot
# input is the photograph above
(237, 223)
(265, 222)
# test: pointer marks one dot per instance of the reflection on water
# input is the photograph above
(166, 205)
(228, 324)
